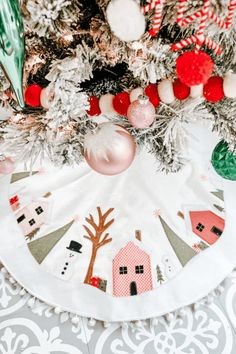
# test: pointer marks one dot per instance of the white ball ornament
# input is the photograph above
(126, 20)
(196, 91)
(229, 85)
(106, 104)
(165, 91)
(135, 93)
(46, 98)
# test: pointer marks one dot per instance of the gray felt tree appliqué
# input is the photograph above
(97, 237)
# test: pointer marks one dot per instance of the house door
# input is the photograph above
(133, 288)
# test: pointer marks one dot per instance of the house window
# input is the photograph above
(32, 222)
(139, 269)
(39, 210)
(216, 231)
(123, 270)
(21, 218)
(200, 227)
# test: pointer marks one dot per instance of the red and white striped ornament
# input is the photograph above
(205, 14)
(158, 5)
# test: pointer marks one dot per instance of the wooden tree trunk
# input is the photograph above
(89, 274)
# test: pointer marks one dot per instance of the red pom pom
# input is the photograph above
(94, 109)
(121, 103)
(181, 91)
(213, 90)
(32, 95)
(194, 68)
(152, 93)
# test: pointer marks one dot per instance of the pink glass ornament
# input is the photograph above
(7, 165)
(141, 113)
(110, 150)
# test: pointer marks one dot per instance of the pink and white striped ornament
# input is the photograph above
(205, 14)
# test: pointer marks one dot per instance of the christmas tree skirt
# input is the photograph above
(128, 247)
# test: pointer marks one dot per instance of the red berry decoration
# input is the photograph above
(152, 93)
(94, 109)
(194, 68)
(95, 282)
(213, 90)
(121, 103)
(181, 91)
(32, 95)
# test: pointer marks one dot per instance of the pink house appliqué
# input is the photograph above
(207, 225)
(33, 216)
(132, 273)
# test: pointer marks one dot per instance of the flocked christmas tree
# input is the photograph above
(89, 58)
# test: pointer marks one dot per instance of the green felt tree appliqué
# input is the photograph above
(12, 45)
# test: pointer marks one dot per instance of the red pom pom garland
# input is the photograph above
(213, 90)
(194, 68)
(121, 103)
(94, 109)
(181, 91)
(152, 93)
(32, 95)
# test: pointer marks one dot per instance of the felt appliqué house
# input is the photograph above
(207, 225)
(32, 216)
(132, 272)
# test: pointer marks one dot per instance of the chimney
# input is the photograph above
(180, 214)
(138, 235)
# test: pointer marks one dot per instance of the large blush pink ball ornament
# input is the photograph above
(110, 150)
(141, 113)
(7, 165)
(106, 104)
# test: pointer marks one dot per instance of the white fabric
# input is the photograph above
(135, 195)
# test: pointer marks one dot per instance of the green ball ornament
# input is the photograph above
(224, 161)
(12, 45)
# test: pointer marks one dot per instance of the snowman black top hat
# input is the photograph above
(75, 246)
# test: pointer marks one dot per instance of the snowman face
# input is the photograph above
(170, 269)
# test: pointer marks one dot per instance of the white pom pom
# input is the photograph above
(106, 324)
(92, 322)
(3, 270)
(196, 91)
(31, 302)
(126, 19)
(12, 280)
(229, 85)
(124, 325)
(135, 93)
(75, 320)
(106, 104)
(57, 310)
(22, 292)
(166, 92)
(154, 321)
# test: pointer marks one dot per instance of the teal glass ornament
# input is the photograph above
(12, 46)
(224, 161)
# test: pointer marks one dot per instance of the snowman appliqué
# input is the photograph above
(71, 255)
(170, 269)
